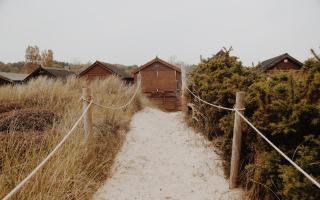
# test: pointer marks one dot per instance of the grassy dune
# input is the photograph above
(34, 118)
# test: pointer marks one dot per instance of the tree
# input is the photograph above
(315, 55)
(47, 58)
(33, 55)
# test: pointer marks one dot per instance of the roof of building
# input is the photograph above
(160, 61)
(268, 64)
(58, 72)
(13, 77)
(110, 67)
(55, 72)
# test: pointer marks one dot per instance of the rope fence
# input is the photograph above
(239, 113)
(237, 139)
(86, 116)
(210, 104)
(118, 107)
(279, 151)
(25, 180)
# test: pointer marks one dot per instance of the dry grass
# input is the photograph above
(78, 169)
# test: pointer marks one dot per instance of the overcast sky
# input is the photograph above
(135, 31)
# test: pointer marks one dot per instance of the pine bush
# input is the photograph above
(285, 106)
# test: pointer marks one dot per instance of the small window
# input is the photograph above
(285, 60)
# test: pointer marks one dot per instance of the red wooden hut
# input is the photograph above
(102, 70)
(161, 82)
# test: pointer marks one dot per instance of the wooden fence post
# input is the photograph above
(139, 79)
(236, 141)
(87, 119)
(184, 107)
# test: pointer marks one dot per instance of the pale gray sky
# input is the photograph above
(134, 31)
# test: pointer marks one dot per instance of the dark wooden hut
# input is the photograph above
(161, 82)
(50, 72)
(11, 78)
(283, 62)
(102, 70)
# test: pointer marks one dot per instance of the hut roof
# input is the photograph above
(110, 67)
(13, 77)
(58, 72)
(55, 72)
(160, 61)
(268, 64)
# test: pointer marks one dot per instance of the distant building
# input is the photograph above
(102, 70)
(49, 72)
(11, 78)
(161, 82)
(283, 62)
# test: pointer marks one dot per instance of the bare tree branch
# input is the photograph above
(315, 55)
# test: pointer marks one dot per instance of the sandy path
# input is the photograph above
(164, 159)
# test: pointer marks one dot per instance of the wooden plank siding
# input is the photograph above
(96, 71)
(4, 81)
(101, 70)
(282, 62)
(161, 83)
(288, 65)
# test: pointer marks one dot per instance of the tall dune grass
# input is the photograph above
(77, 169)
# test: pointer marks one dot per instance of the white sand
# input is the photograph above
(164, 159)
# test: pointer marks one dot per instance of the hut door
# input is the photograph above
(149, 78)
(167, 80)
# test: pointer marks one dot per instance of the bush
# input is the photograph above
(27, 119)
(283, 106)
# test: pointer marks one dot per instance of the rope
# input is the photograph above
(279, 151)
(118, 107)
(264, 137)
(216, 106)
(24, 181)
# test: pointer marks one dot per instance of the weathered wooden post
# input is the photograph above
(183, 88)
(139, 79)
(236, 141)
(87, 119)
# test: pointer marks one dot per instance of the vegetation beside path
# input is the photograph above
(34, 117)
(285, 106)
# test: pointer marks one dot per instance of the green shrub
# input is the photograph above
(283, 106)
